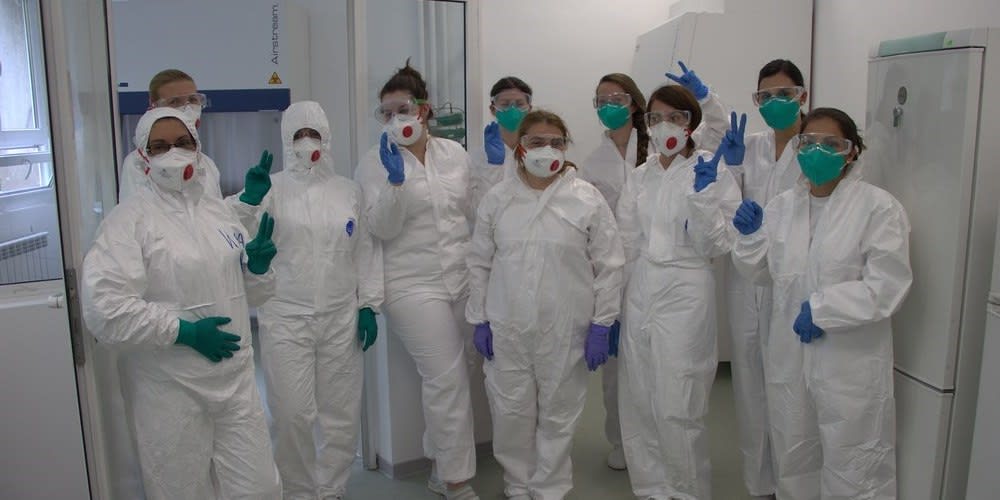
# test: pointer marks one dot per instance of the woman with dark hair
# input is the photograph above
(510, 100)
(768, 168)
(546, 276)
(674, 218)
(835, 249)
(417, 195)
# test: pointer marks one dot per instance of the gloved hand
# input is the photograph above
(804, 326)
(495, 150)
(391, 160)
(733, 142)
(706, 172)
(483, 340)
(690, 81)
(595, 350)
(748, 217)
(205, 337)
(261, 249)
(367, 328)
(258, 181)
(614, 338)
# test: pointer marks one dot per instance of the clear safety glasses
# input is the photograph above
(678, 117)
(157, 148)
(506, 100)
(183, 100)
(387, 110)
(764, 95)
(834, 143)
(617, 99)
(542, 140)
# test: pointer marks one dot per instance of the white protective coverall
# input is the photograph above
(423, 227)
(761, 178)
(485, 175)
(326, 270)
(668, 351)
(544, 266)
(159, 257)
(830, 402)
(607, 170)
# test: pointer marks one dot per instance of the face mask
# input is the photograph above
(510, 118)
(307, 151)
(820, 164)
(543, 162)
(669, 139)
(193, 112)
(612, 116)
(779, 113)
(174, 170)
(404, 129)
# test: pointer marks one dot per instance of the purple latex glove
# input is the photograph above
(483, 340)
(595, 350)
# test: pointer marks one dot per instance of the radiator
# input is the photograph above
(26, 259)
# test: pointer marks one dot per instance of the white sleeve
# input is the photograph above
(712, 210)
(385, 204)
(484, 175)
(259, 287)
(607, 258)
(714, 123)
(750, 250)
(480, 261)
(368, 262)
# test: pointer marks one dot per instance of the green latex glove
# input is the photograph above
(261, 250)
(258, 181)
(367, 328)
(205, 337)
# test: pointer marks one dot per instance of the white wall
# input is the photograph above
(845, 31)
(562, 48)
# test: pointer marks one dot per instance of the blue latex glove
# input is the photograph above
(748, 217)
(614, 339)
(733, 142)
(706, 172)
(495, 150)
(261, 249)
(595, 350)
(258, 181)
(690, 81)
(205, 337)
(804, 326)
(391, 160)
(483, 340)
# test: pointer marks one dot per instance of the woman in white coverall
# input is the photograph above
(510, 100)
(674, 215)
(169, 278)
(322, 315)
(545, 278)
(835, 249)
(417, 192)
(768, 168)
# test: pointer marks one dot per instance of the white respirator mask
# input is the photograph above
(174, 170)
(307, 151)
(404, 129)
(544, 162)
(669, 139)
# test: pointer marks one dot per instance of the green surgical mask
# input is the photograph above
(510, 118)
(820, 164)
(613, 116)
(780, 113)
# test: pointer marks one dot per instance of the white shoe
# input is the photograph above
(436, 485)
(616, 459)
(464, 493)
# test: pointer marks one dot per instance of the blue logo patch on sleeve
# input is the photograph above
(350, 227)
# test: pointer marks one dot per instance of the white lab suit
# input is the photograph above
(134, 179)
(543, 267)
(159, 257)
(761, 178)
(326, 270)
(669, 355)
(485, 175)
(423, 227)
(830, 402)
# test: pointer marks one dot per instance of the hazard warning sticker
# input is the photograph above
(275, 79)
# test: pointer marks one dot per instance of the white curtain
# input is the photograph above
(442, 50)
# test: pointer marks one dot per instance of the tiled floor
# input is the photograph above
(593, 479)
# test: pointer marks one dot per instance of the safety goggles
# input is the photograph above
(180, 101)
(790, 93)
(387, 110)
(617, 99)
(506, 100)
(833, 143)
(678, 117)
(542, 140)
(157, 148)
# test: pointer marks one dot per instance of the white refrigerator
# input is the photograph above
(933, 124)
